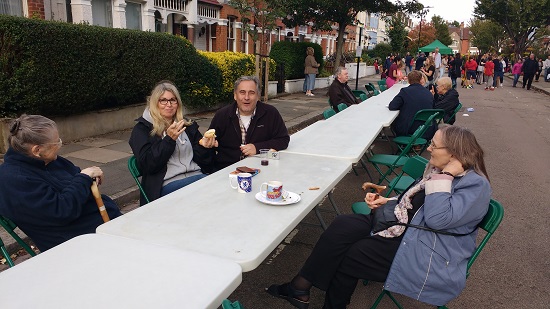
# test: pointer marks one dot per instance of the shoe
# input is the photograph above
(514, 86)
(279, 290)
(486, 88)
(492, 88)
(311, 95)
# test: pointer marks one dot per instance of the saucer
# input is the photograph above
(292, 198)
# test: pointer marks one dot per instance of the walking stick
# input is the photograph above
(99, 202)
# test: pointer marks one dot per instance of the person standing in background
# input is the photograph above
(408, 65)
(529, 69)
(516, 70)
(310, 70)
(539, 70)
(437, 63)
(546, 68)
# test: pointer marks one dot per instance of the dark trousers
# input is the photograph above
(537, 75)
(528, 78)
(346, 252)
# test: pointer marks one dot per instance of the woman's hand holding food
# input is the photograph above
(374, 200)
(208, 140)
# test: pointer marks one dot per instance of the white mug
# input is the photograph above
(244, 182)
(233, 179)
(272, 191)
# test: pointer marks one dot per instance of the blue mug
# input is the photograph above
(244, 183)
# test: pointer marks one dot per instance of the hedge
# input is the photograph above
(292, 55)
(234, 65)
(56, 68)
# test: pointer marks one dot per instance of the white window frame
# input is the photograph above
(140, 18)
(244, 39)
(231, 29)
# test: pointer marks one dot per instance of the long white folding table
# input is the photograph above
(101, 271)
(209, 217)
(348, 134)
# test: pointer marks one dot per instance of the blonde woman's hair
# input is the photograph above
(159, 123)
(463, 145)
(310, 50)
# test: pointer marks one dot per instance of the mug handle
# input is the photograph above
(231, 182)
(263, 192)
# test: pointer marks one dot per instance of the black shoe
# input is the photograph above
(286, 291)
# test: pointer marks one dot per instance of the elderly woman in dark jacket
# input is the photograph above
(166, 145)
(446, 98)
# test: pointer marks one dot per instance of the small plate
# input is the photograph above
(291, 198)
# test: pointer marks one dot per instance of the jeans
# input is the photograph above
(311, 82)
(516, 78)
(305, 82)
(178, 184)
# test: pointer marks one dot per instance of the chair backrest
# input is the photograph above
(342, 106)
(10, 227)
(458, 107)
(132, 167)
(227, 304)
(383, 87)
(489, 224)
(424, 114)
(381, 82)
(415, 166)
(370, 87)
(328, 113)
(360, 94)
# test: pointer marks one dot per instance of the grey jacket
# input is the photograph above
(431, 267)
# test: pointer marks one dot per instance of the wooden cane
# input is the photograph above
(99, 202)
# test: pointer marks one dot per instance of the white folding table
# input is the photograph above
(209, 217)
(101, 271)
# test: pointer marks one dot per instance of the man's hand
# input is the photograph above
(248, 150)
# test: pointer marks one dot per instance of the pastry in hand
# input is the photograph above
(370, 185)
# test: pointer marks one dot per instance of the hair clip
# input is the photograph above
(15, 127)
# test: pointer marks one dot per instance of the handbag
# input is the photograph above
(384, 218)
(480, 68)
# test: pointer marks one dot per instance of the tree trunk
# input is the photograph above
(339, 46)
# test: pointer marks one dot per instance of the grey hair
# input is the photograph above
(247, 78)
(445, 82)
(30, 130)
(339, 70)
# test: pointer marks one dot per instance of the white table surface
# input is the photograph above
(100, 271)
(210, 217)
(378, 105)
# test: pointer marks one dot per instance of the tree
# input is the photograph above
(396, 32)
(381, 51)
(323, 14)
(441, 30)
(454, 24)
(487, 35)
(520, 19)
(426, 36)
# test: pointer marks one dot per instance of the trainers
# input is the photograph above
(492, 88)
(486, 88)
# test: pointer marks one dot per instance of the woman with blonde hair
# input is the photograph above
(311, 69)
(166, 145)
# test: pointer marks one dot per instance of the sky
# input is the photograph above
(461, 11)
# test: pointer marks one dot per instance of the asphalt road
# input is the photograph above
(513, 127)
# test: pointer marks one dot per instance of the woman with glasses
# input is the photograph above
(445, 98)
(420, 262)
(166, 145)
(47, 196)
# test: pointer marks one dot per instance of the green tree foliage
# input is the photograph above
(397, 33)
(455, 24)
(441, 30)
(381, 51)
(324, 13)
(487, 35)
(427, 35)
(520, 19)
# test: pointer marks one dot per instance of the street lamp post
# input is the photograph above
(422, 13)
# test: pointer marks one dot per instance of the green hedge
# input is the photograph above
(55, 68)
(292, 56)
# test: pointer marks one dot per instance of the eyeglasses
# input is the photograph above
(58, 143)
(435, 147)
(172, 101)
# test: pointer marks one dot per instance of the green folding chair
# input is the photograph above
(413, 169)
(489, 224)
(227, 304)
(10, 227)
(457, 109)
(360, 94)
(328, 113)
(342, 106)
(132, 167)
(391, 162)
(421, 115)
(371, 90)
(382, 85)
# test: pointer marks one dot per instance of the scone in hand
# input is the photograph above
(208, 134)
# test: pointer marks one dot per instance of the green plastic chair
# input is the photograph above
(10, 227)
(382, 85)
(421, 115)
(489, 224)
(342, 106)
(394, 161)
(360, 94)
(371, 90)
(457, 109)
(328, 113)
(227, 304)
(413, 169)
(132, 167)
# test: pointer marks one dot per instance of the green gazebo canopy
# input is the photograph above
(444, 50)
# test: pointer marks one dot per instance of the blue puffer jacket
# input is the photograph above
(431, 267)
